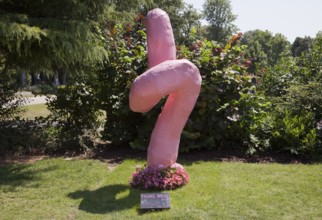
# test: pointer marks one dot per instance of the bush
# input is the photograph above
(294, 89)
(9, 102)
(24, 137)
(294, 133)
(42, 89)
(127, 59)
(228, 101)
(75, 113)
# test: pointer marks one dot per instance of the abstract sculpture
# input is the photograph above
(180, 79)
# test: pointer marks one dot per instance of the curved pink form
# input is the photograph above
(161, 45)
(179, 79)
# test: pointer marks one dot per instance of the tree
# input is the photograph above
(264, 48)
(43, 34)
(310, 63)
(220, 17)
(300, 45)
(190, 23)
(183, 16)
(9, 102)
(47, 36)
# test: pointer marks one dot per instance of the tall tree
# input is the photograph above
(190, 21)
(220, 17)
(301, 45)
(264, 48)
(45, 35)
(183, 17)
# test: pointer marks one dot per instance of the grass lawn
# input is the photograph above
(90, 189)
(33, 111)
(41, 110)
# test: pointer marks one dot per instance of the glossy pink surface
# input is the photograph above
(179, 79)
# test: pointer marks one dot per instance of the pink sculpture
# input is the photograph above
(180, 79)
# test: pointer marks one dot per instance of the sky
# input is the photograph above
(292, 18)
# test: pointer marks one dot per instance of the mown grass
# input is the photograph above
(90, 189)
(33, 111)
(41, 110)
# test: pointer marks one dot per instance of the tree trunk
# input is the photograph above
(33, 78)
(63, 75)
(23, 80)
(56, 79)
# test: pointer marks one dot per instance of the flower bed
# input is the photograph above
(161, 178)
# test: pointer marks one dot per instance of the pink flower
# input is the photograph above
(160, 178)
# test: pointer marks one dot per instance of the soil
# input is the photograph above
(22, 159)
(114, 155)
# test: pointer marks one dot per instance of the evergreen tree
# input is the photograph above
(46, 35)
(49, 36)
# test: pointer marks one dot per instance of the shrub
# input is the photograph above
(276, 80)
(24, 137)
(74, 111)
(9, 102)
(228, 101)
(42, 89)
(294, 133)
(127, 59)
(294, 88)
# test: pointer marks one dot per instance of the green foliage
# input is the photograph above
(42, 89)
(183, 16)
(278, 110)
(24, 137)
(40, 34)
(127, 59)
(303, 97)
(294, 133)
(9, 101)
(74, 111)
(189, 26)
(276, 80)
(227, 97)
(301, 45)
(294, 88)
(264, 49)
(284, 132)
(220, 17)
(310, 63)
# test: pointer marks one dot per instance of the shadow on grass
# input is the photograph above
(12, 176)
(18, 175)
(107, 199)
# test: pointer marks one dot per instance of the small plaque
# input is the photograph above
(155, 201)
